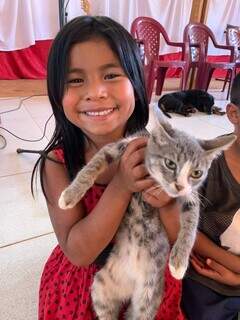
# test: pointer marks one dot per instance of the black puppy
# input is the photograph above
(187, 102)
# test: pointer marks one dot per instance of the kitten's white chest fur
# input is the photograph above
(134, 260)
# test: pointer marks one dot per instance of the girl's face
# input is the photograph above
(99, 97)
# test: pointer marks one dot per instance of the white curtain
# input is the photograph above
(172, 14)
(24, 21)
(220, 13)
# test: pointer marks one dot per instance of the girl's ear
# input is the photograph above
(233, 113)
(215, 146)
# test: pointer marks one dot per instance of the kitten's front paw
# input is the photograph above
(177, 266)
(66, 200)
(178, 272)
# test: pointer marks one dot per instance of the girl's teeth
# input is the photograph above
(100, 113)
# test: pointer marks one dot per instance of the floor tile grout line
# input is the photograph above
(35, 122)
(25, 240)
(31, 116)
(213, 125)
(15, 174)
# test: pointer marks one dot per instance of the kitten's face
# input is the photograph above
(179, 165)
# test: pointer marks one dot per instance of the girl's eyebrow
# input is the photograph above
(110, 65)
(103, 67)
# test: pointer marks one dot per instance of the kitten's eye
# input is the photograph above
(170, 164)
(196, 174)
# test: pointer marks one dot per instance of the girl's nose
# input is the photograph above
(96, 90)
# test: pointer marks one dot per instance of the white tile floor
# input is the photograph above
(26, 237)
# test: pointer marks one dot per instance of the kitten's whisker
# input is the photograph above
(194, 196)
(201, 198)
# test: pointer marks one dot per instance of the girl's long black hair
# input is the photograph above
(66, 135)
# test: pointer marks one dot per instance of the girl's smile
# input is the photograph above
(99, 113)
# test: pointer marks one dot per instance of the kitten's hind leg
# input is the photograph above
(147, 297)
(109, 290)
(105, 303)
(87, 176)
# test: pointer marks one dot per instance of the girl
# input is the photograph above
(96, 89)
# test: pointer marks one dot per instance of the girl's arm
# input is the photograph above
(169, 216)
(82, 238)
(168, 211)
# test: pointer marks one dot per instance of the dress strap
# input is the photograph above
(59, 154)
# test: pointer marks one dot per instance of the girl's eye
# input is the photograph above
(75, 81)
(170, 164)
(196, 174)
(111, 76)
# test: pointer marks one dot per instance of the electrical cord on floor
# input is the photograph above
(3, 141)
(30, 140)
(20, 103)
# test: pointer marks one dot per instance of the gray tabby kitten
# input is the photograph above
(135, 268)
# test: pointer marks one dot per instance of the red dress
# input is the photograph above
(65, 289)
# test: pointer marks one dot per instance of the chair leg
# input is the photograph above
(184, 79)
(190, 75)
(232, 74)
(208, 78)
(161, 73)
(200, 78)
(227, 79)
(150, 76)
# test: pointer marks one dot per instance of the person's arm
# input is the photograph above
(208, 249)
(215, 271)
(82, 238)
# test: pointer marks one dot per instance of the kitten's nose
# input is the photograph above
(179, 187)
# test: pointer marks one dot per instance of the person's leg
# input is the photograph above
(202, 303)
(233, 305)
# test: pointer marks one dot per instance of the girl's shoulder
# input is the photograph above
(58, 154)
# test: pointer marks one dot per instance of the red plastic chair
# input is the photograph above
(148, 31)
(196, 37)
(233, 39)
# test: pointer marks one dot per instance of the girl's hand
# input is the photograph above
(214, 270)
(131, 173)
(156, 197)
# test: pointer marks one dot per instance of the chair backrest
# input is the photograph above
(233, 39)
(149, 31)
(198, 34)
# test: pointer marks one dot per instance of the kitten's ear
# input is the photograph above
(215, 146)
(161, 123)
